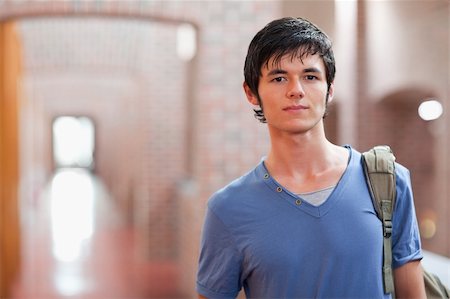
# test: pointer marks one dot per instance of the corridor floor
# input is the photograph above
(77, 245)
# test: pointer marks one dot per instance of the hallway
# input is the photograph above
(76, 244)
(161, 82)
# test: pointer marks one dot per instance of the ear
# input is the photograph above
(250, 96)
(331, 92)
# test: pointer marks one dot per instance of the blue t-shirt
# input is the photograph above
(261, 237)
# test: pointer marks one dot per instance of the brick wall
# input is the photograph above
(402, 44)
(149, 112)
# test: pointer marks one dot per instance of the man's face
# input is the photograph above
(293, 94)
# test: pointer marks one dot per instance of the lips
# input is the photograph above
(295, 108)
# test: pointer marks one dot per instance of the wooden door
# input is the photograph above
(9, 157)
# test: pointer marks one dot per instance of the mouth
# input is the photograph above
(295, 108)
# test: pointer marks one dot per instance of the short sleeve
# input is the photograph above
(405, 238)
(220, 262)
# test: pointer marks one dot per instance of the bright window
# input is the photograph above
(73, 142)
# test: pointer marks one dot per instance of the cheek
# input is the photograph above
(319, 94)
(267, 94)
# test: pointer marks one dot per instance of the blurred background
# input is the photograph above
(118, 119)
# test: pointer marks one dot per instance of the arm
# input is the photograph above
(201, 297)
(219, 267)
(409, 281)
(406, 251)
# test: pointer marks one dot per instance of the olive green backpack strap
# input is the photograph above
(379, 167)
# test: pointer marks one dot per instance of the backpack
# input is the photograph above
(379, 168)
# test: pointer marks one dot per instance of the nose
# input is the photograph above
(295, 90)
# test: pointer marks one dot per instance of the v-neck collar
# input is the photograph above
(297, 201)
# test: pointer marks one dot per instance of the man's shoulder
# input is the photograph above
(402, 176)
(236, 191)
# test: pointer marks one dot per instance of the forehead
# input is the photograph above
(294, 61)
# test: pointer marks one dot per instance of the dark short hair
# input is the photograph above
(287, 36)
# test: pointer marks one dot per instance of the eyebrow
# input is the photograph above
(280, 71)
(276, 72)
(311, 70)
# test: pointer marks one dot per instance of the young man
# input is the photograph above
(302, 223)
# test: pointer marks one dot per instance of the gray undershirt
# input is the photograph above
(316, 198)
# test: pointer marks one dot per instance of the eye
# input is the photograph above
(279, 79)
(310, 77)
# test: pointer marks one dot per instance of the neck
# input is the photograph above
(301, 154)
(305, 162)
